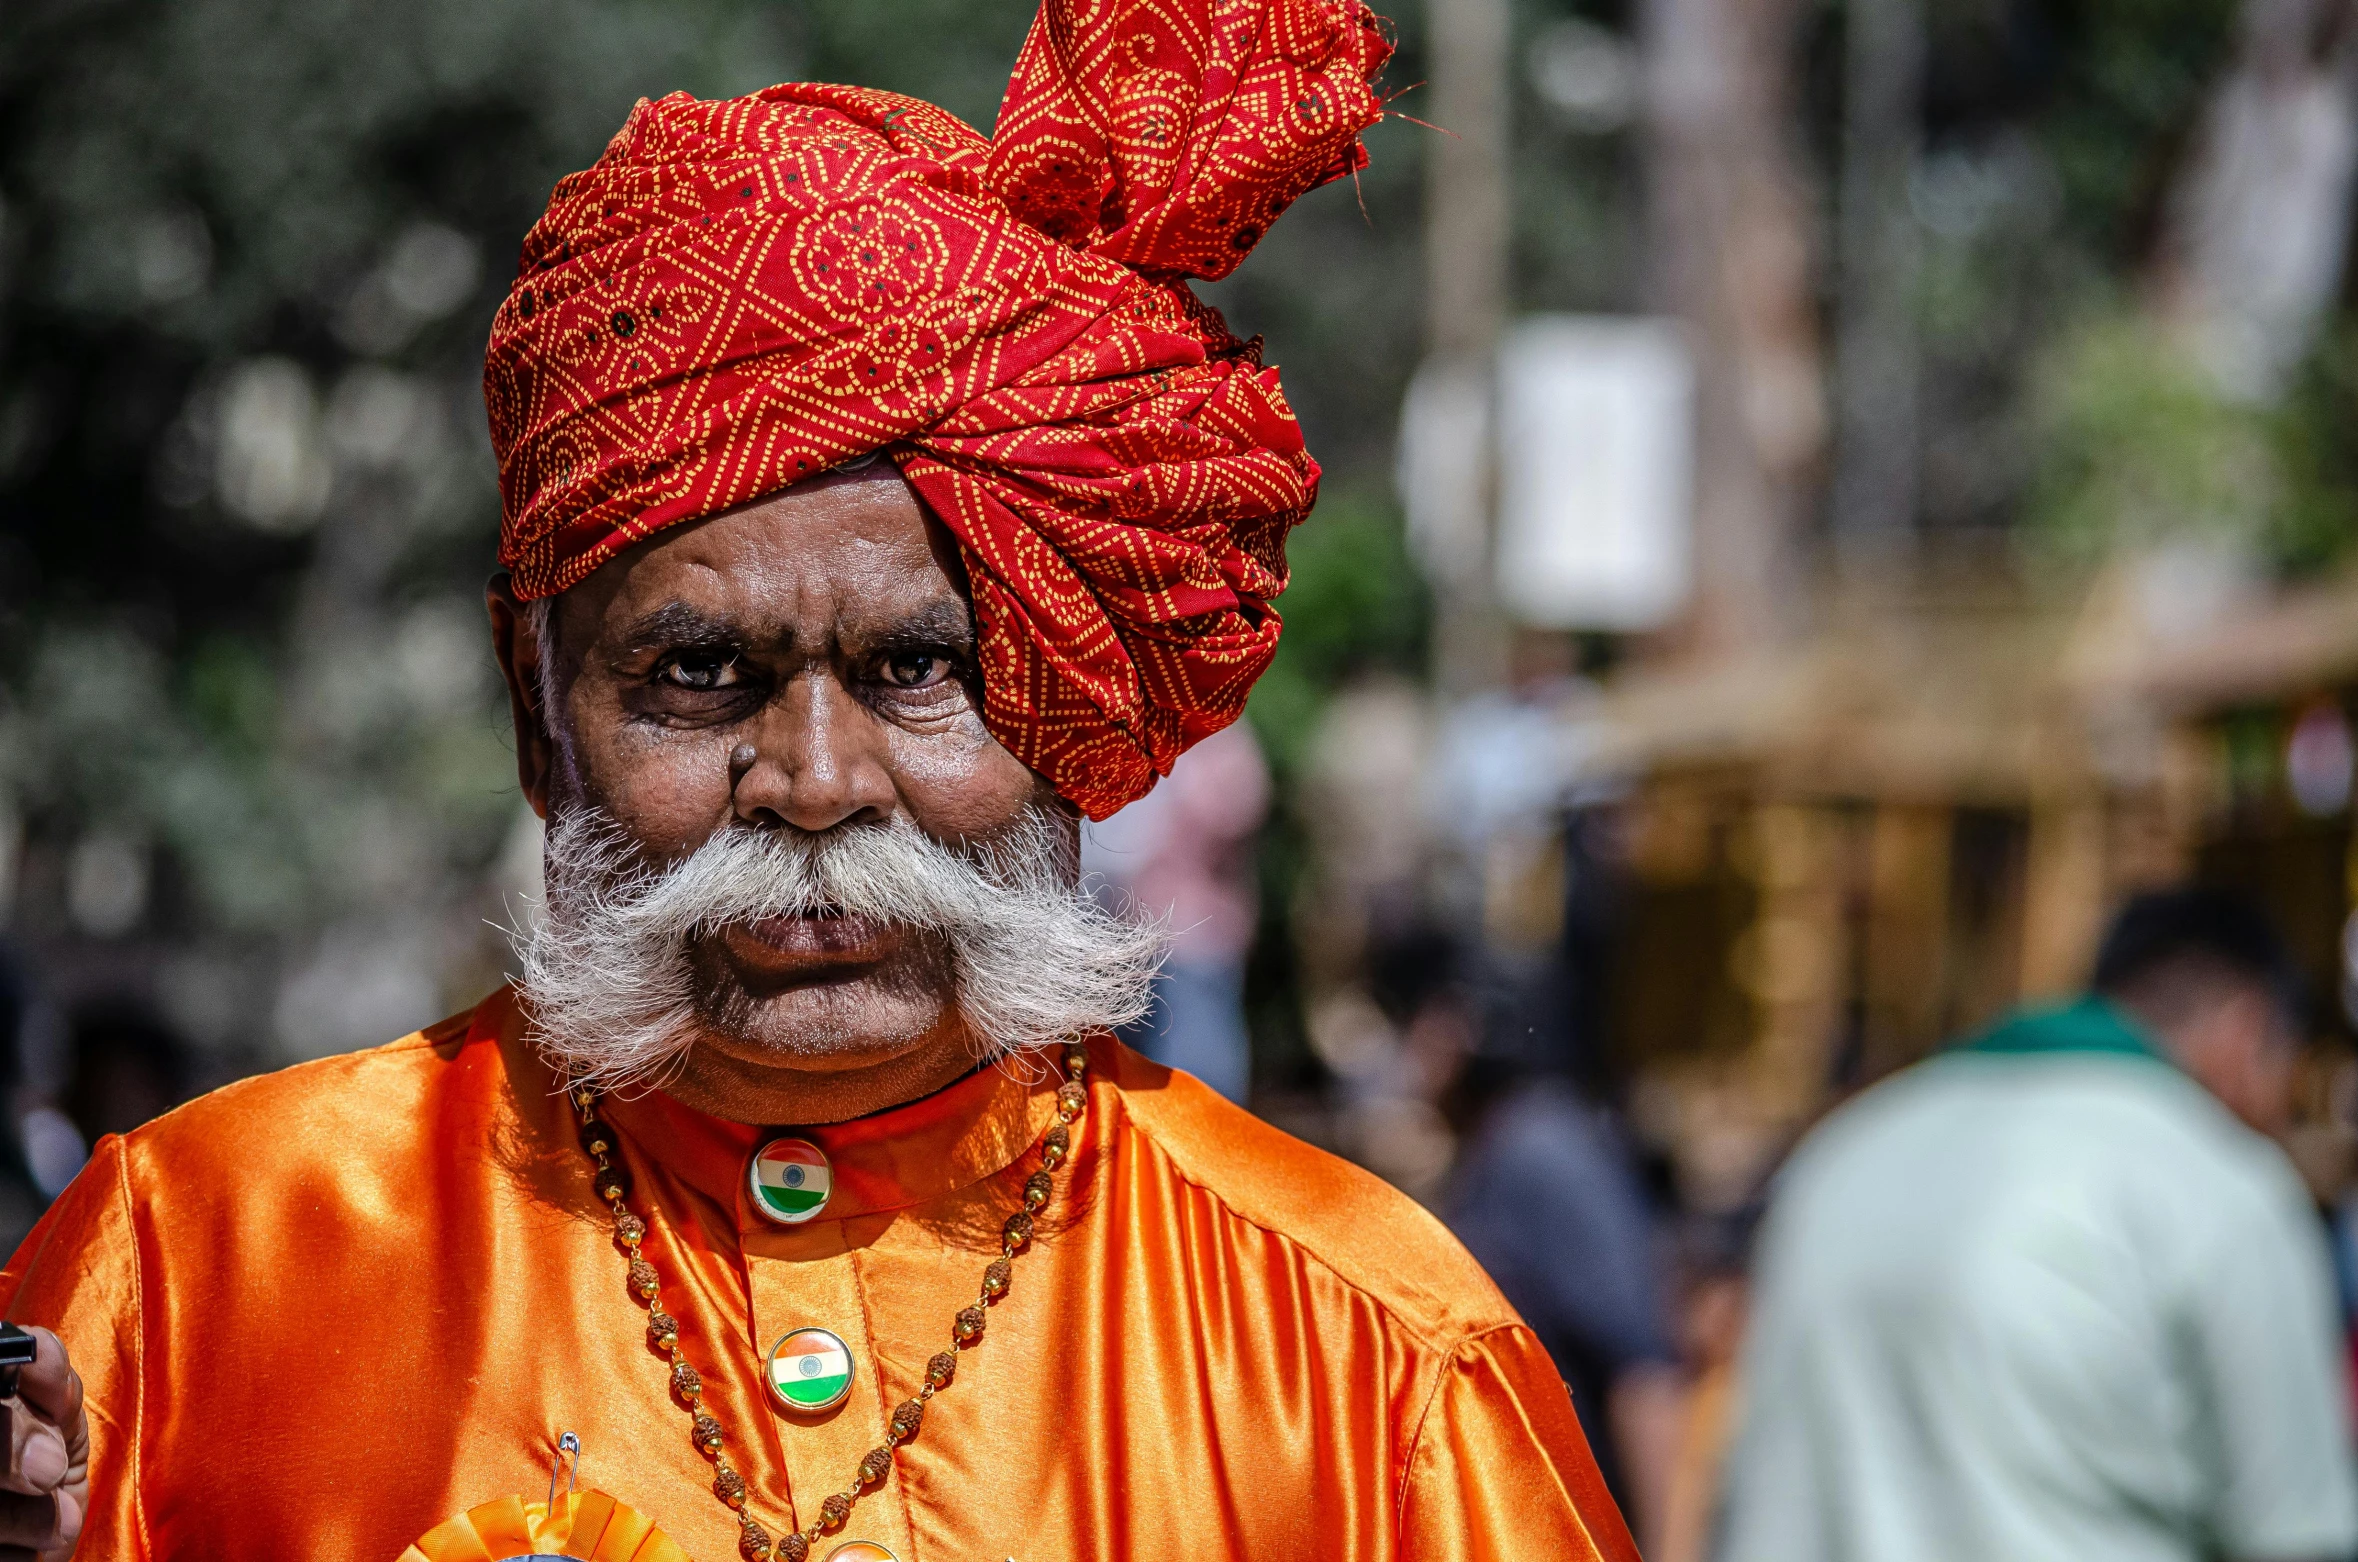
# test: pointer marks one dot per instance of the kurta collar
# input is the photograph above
(2089, 1025)
(890, 1160)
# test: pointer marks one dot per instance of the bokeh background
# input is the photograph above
(2018, 498)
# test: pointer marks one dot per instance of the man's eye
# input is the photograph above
(701, 670)
(916, 670)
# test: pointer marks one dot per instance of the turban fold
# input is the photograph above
(742, 293)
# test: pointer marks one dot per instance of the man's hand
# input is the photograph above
(47, 1488)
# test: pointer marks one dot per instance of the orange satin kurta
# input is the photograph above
(321, 1312)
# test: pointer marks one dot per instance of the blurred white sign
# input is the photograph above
(1595, 469)
(1444, 470)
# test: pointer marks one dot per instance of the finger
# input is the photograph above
(72, 1507)
(50, 1385)
(44, 1425)
(37, 1454)
(37, 1522)
(41, 1456)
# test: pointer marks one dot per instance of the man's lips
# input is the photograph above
(810, 943)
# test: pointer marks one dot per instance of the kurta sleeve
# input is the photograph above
(1499, 1467)
(77, 1274)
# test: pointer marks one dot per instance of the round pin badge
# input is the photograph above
(859, 1551)
(788, 1180)
(810, 1370)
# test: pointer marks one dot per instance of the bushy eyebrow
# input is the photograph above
(677, 624)
(947, 623)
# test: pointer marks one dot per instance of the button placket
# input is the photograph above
(809, 1278)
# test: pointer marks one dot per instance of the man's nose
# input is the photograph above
(814, 758)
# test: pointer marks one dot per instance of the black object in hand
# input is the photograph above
(17, 1349)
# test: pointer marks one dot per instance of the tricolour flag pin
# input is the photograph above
(810, 1369)
(788, 1180)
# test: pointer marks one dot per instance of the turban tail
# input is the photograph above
(743, 293)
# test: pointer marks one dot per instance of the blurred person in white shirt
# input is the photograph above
(2056, 1293)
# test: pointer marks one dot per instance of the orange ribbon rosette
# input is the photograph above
(585, 1526)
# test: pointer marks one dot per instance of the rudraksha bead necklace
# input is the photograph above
(612, 1182)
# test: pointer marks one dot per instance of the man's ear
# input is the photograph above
(519, 652)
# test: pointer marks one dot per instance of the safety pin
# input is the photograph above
(567, 1444)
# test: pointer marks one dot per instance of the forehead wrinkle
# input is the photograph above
(718, 604)
(755, 591)
(916, 598)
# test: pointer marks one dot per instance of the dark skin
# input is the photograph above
(803, 662)
(47, 1488)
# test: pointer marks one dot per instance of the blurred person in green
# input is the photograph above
(2056, 1293)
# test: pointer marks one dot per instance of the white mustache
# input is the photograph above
(606, 970)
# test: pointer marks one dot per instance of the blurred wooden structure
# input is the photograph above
(1844, 853)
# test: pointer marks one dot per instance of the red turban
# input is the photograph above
(743, 293)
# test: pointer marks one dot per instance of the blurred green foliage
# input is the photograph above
(2128, 80)
(2139, 447)
(1356, 605)
(2315, 523)
(2053, 128)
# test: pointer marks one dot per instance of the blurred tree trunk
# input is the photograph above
(1468, 228)
(1732, 251)
(2256, 228)
(1876, 364)
(1469, 223)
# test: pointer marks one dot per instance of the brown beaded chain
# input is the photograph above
(612, 1182)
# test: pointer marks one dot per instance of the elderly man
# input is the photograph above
(797, 1203)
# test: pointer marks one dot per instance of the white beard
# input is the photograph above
(606, 965)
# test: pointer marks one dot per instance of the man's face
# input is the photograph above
(803, 664)
(2245, 1049)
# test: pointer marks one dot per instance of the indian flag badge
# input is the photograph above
(788, 1180)
(810, 1369)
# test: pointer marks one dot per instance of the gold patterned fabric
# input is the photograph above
(743, 293)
